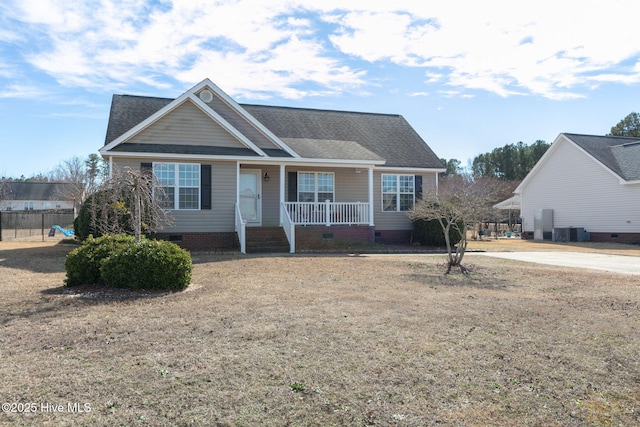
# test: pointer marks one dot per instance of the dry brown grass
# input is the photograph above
(323, 340)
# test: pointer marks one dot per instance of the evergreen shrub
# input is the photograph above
(83, 263)
(430, 233)
(150, 264)
(118, 261)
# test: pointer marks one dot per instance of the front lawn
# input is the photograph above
(320, 340)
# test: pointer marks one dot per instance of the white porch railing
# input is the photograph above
(241, 230)
(289, 228)
(327, 213)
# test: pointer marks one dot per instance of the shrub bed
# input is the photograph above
(150, 264)
(83, 264)
(118, 261)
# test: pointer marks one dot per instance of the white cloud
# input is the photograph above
(256, 48)
(22, 92)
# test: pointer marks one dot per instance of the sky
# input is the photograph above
(469, 76)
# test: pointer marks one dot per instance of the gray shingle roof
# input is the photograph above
(127, 111)
(317, 133)
(620, 154)
(389, 136)
(52, 191)
(330, 149)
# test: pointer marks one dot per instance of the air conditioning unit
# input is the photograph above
(570, 234)
(561, 234)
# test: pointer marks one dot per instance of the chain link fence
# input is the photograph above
(16, 225)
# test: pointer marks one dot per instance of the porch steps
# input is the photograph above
(266, 240)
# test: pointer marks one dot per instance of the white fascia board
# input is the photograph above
(164, 156)
(146, 122)
(554, 146)
(244, 113)
(187, 96)
(620, 179)
(408, 170)
(288, 161)
(225, 124)
(548, 153)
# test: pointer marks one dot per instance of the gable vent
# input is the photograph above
(206, 95)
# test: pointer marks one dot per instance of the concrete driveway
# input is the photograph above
(614, 263)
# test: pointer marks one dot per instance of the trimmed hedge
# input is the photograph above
(118, 261)
(83, 263)
(429, 233)
(150, 264)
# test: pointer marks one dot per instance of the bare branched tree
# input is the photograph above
(72, 172)
(462, 200)
(82, 176)
(126, 201)
(450, 216)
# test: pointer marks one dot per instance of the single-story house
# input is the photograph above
(35, 196)
(584, 187)
(230, 170)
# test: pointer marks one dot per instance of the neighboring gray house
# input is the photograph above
(584, 182)
(34, 196)
(230, 170)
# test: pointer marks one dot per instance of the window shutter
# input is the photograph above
(146, 167)
(418, 186)
(205, 186)
(293, 187)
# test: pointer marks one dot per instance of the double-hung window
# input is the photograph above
(180, 183)
(398, 193)
(315, 186)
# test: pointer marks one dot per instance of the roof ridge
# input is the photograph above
(145, 96)
(321, 110)
(369, 113)
(633, 138)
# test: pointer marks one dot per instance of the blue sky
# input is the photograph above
(469, 76)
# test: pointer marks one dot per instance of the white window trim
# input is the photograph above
(315, 186)
(176, 186)
(397, 193)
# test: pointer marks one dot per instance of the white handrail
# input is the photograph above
(241, 230)
(289, 228)
(328, 213)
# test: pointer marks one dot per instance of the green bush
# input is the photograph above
(83, 263)
(117, 260)
(430, 233)
(150, 264)
(116, 214)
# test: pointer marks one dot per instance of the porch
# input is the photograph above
(317, 218)
(290, 196)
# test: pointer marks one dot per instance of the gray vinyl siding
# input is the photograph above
(582, 193)
(396, 220)
(186, 125)
(240, 123)
(270, 196)
(221, 216)
(349, 186)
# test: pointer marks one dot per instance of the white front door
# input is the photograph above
(249, 196)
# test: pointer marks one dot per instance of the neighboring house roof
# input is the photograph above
(513, 202)
(309, 133)
(619, 155)
(51, 191)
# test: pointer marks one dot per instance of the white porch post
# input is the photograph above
(281, 193)
(371, 223)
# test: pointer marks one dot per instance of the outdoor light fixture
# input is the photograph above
(266, 177)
